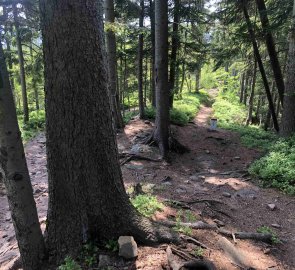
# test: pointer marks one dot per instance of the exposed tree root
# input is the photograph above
(128, 157)
(199, 225)
(264, 237)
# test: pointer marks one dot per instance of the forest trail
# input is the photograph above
(215, 169)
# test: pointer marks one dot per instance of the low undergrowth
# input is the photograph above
(277, 169)
(35, 125)
(146, 204)
(184, 109)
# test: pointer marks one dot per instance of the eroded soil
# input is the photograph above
(214, 169)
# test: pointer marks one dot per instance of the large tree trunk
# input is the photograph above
(87, 199)
(174, 48)
(161, 133)
(140, 61)
(288, 118)
(21, 64)
(261, 67)
(112, 63)
(14, 171)
(270, 44)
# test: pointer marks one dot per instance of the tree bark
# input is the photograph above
(174, 48)
(251, 98)
(14, 171)
(21, 64)
(242, 88)
(161, 133)
(152, 18)
(260, 65)
(288, 117)
(270, 44)
(111, 47)
(198, 79)
(87, 199)
(140, 61)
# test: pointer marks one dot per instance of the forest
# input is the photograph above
(147, 134)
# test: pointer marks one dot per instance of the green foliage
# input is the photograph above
(186, 216)
(128, 116)
(268, 230)
(199, 252)
(147, 205)
(277, 169)
(208, 79)
(253, 136)
(184, 109)
(34, 126)
(89, 255)
(69, 264)
(112, 245)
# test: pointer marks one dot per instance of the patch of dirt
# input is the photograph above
(214, 169)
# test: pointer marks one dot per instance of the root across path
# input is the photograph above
(210, 181)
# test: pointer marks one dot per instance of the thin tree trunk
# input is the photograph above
(21, 65)
(242, 88)
(14, 171)
(161, 133)
(251, 99)
(261, 67)
(198, 79)
(174, 49)
(145, 80)
(288, 117)
(270, 44)
(152, 18)
(247, 79)
(140, 62)
(111, 47)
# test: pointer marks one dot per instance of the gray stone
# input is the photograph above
(147, 122)
(134, 167)
(271, 206)
(226, 194)
(127, 247)
(207, 152)
(237, 158)
(104, 260)
(277, 226)
(194, 178)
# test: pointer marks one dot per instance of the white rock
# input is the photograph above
(127, 247)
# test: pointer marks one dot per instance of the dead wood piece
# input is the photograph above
(203, 201)
(194, 241)
(199, 225)
(171, 261)
(177, 204)
(264, 237)
(182, 254)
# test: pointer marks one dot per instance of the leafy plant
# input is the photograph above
(69, 264)
(199, 252)
(147, 205)
(186, 216)
(276, 169)
(268, 230)
(112, 245)
(89, 254)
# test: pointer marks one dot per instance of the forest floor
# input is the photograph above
(215, 169)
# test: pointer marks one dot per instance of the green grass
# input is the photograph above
(268, 230)
(277, 169)
(147, 205)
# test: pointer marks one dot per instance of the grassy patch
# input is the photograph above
(35, 125)
(268, 230)
(277, 169)
(69, 264)
(147, 205)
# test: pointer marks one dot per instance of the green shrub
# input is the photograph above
(69, 264)
(277, 169)
(147, 205)
(128, 115)
(268, 230)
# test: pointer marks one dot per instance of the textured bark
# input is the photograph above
(161, 133)
(140, 61)
(21, 64)
(288, 118)
(174, 49)
(261, 67)
(152, 18)
(14, 171)
(251, 98)
(87, 199)
(270, 44)
(111, 47)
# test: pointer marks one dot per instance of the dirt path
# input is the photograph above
(215, 169)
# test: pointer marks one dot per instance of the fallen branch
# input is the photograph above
(264, 237)
(171, 261)
(194, 241)
(199, 225)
